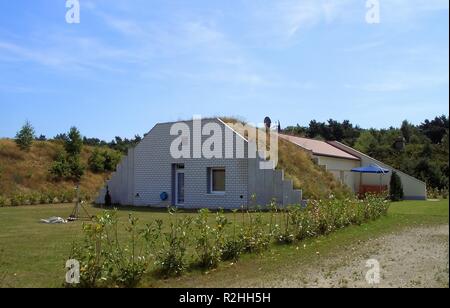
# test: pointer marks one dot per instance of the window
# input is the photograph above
(217, 180)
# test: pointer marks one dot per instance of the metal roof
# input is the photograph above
(318, 147)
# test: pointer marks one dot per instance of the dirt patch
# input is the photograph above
(414, 258)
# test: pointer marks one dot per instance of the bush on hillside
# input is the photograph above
(101, 161)
(66, 168)
(60, 168)
(67, 165)
(97, 161)
(112, 159)
(31, 171)
(76, 168)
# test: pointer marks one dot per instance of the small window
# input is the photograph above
(217, 177)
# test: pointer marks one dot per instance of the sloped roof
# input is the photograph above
(319, 148)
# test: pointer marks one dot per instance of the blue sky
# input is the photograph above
(132, 63)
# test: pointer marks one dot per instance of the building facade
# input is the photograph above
(150, 175)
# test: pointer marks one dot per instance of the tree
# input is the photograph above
(60, 168)
(112, 159)
(61, 137)
(67, 164)
(137, 139)
(396, 188)
(435, 129)
(74, 142)
(430, 173)
(76, 167)
(427, 150)
(366, 142)
(407, 130)
(25, 137)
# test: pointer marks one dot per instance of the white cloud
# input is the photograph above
(124, 26)
(68, 53)
(287, 18)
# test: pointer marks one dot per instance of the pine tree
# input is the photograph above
(74, 142)
(25, 137)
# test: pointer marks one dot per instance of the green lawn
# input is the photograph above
(33, 254)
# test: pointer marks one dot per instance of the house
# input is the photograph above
(169, 169)
(340, 159)
(166, 169)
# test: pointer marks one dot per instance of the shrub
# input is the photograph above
(232, 247)
(253, 234)
(210, 240)
(434, 193)
(151, 234)
(444, 194)
(286, 236)
(66, 167)
(18, 199)
(97, 161)
(2, 201)
(60, 168)
(43, 198)
(51, 197)
(301, 223)
(103, 260)
(171, 258)
(66, 196)
(106, 160)
(131, 267)
(396, 188)
(112, 159)
(106, 262)
(34, 198)
(232, 250)
(76, 167)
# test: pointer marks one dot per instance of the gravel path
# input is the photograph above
(414, 258)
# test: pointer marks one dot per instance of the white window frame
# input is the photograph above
(211, 180)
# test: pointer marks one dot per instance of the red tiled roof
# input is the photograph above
(319, 148)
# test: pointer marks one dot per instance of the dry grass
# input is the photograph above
(315, 182)
(25, 172)
(298, 166)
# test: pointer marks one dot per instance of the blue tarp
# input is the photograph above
(371, 169)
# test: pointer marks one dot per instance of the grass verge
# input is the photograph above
(32, 254)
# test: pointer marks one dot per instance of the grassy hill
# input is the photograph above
(315, 182)
(27, 173)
